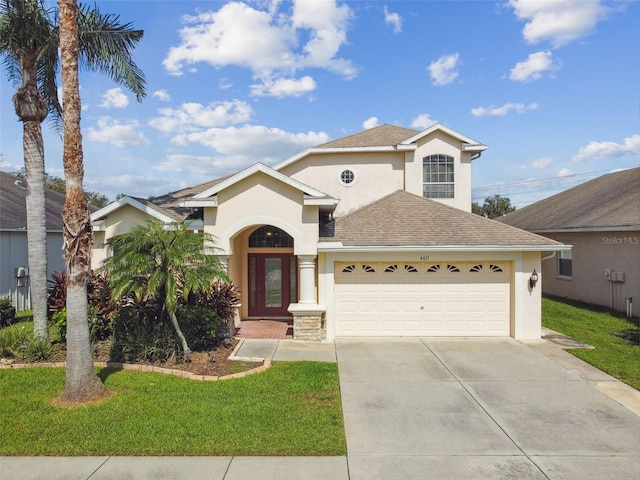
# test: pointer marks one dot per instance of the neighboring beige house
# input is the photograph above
(601, 219)
(14, 256)
(341, 238)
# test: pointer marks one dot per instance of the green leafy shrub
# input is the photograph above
(143, 332)
(199, 325)
(99, 329)
(37, 350)
(7, 312)
(222, 297)
(13, 338)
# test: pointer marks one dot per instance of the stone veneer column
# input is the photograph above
(307, 314)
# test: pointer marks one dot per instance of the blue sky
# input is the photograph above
(551, 86)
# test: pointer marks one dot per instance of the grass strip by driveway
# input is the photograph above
(291, 409)
(615, 338)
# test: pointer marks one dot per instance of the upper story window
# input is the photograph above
(437, 176)
(270, 237)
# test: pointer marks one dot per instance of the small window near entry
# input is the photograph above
(565, 264)
(347, 177)
(270, 237)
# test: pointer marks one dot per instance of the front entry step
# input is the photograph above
(274, 329)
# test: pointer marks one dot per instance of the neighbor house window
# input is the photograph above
(564, 264)
(437, 176)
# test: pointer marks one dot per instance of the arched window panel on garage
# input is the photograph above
(433, 268)
(269, 236)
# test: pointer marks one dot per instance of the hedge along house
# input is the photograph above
(367, 235)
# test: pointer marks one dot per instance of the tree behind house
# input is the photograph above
(493, 207)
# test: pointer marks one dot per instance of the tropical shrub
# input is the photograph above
(99, 328)
(7, 312)
(143, 332)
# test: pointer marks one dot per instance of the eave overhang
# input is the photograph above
(339, 247)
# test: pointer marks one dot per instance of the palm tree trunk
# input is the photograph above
(82, 384)
(31, 108)
(183, 341)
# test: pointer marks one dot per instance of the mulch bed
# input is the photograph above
(213, 363)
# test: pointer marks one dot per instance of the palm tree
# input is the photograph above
(164, 262)
(81, 384)
(29, 43)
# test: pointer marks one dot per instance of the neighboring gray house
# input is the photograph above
(14, 259)
(601, 219)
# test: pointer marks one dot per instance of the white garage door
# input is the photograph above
(422, 299)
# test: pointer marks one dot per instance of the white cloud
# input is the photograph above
(283, 87)
(558, 21)
(565, 172)
(238, 147)
(443, 71)
(608, 149)
(111, 131)
(423, 121)
(194, 116)
(534, 67)
(394, 19)
(114, 98)
(268, 42)
(541, 163)
(162, 95)
(503, 110)
(370, 123)
(224, 84)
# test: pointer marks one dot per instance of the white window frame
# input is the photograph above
(438, 171)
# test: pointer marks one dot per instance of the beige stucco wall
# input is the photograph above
(116, 223)
(440, 143)
(262, 200)
(376, 175)
(592, 254)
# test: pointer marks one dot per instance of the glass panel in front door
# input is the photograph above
(273, 282)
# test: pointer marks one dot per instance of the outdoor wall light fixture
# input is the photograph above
(533, 279)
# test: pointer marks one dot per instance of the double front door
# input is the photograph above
(273, 284)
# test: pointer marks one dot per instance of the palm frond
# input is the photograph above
(107, 46)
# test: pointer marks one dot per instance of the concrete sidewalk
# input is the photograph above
(426, 408)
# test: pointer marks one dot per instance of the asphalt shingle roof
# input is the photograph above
(13, 205)
(609, 201)
(381, 136)
(405, 219)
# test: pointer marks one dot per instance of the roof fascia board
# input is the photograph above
(255, 168)
(200, 203)
(623, 228)
(320, 201)
(338, 247)
(112, 207)
(315, 150)
(449, 131)
(24, 230)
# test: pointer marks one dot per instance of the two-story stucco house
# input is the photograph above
(367, 235)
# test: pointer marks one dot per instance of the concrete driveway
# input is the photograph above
(476, 409)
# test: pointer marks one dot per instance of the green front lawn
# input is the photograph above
(615, 338)
(291, 409)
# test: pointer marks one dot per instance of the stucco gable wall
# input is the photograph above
(262, 200)
(115, 224)
(441, 143)
(377, 175)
